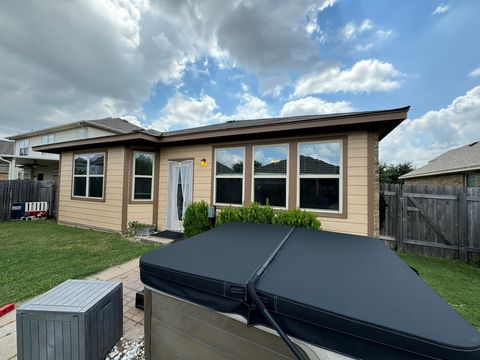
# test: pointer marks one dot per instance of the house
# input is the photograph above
(327, 164)
(456, 167)
(6, 149)
(26, 163)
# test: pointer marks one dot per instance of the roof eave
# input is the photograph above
(442, 172)
(102, 141)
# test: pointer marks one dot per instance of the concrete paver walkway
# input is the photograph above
(128, 273)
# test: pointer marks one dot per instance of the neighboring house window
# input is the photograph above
(270, 170)
(320, 176)
(88, 175)
(81, 133)
(143, 175)
(23, 147)
(472, 180)
(48, 139)
(229, 172)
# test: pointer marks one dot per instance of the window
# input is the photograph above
(23, 147)
(471, 180)
(88, 175)
(270, 169)
(48, 139)
(229, 172)
(320, 176)
(143, 175)
(81, 133)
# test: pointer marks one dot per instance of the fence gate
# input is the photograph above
(439, 221)
(12, 191)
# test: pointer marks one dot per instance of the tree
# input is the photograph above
(389, 173)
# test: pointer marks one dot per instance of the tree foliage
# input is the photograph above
(389, 173)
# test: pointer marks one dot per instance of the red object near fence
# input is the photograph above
(5, 309)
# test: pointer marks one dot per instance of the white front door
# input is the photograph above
(180, 175)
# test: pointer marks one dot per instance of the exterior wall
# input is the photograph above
(105, 214)
(440, 180)
(356, 221)
(202, 176)
(143, 213)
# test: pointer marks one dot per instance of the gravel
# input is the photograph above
(127, 350)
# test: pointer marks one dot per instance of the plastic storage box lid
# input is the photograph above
(76, 296)
(350, 294)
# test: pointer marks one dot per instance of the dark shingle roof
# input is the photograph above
(235, 124)
(456, 160)
(6, 147)
(116, 124)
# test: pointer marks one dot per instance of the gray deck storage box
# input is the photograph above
(78, 319)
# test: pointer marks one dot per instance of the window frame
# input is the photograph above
(24, 144)
(48, 137)
(132, 198)
(87, 176)
(215, 176)
(339, 176)
(272, 176)
(83, 129)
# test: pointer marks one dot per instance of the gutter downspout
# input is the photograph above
(261, 306)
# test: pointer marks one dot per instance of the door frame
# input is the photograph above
(178, 161)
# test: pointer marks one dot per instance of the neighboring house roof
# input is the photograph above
(465, 158)
(6, 147)
(381, 121)
(115, 125)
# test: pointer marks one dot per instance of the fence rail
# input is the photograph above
(12, 191)
(441, 221)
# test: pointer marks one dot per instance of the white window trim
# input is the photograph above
(87, 176)
(85, 133)
(319, 176)
(24, 144)
(272, 176)
(215, 176)
(143, 176)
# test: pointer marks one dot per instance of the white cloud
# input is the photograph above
(96, 58)
(442, 8)
(435, 132)
(475, 72)
(364, 76)
(182, 111)
(312, 105)
(352, 30)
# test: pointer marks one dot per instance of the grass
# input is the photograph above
(37, 255)
(457, 282)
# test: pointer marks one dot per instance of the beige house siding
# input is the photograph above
(143, 213)
(356, 221)
(103, 215)
(202, 176)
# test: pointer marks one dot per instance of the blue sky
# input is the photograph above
(172, 64)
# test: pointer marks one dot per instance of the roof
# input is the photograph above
(464, 158)
(116, 125)
(381, 121)
(6, 147)
(322, 287)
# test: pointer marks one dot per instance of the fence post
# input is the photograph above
(462, 224)
(401, 229)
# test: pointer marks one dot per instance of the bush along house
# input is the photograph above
(326, 164)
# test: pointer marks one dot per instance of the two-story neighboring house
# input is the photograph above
(6, 149)
(25, 163)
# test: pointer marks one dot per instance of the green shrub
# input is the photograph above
(297, 217)
(227, 215)
(260, 214)
(196, 220)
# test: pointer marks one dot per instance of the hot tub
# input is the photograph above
(328, 295)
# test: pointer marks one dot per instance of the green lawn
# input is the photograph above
(37, 255)
(457, 282)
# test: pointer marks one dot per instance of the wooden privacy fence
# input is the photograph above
(12, 191)
(442, 221)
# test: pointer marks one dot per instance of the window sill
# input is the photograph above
(89, 199)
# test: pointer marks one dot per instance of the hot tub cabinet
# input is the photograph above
(227, 293)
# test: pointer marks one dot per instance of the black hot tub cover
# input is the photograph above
(350, 294)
